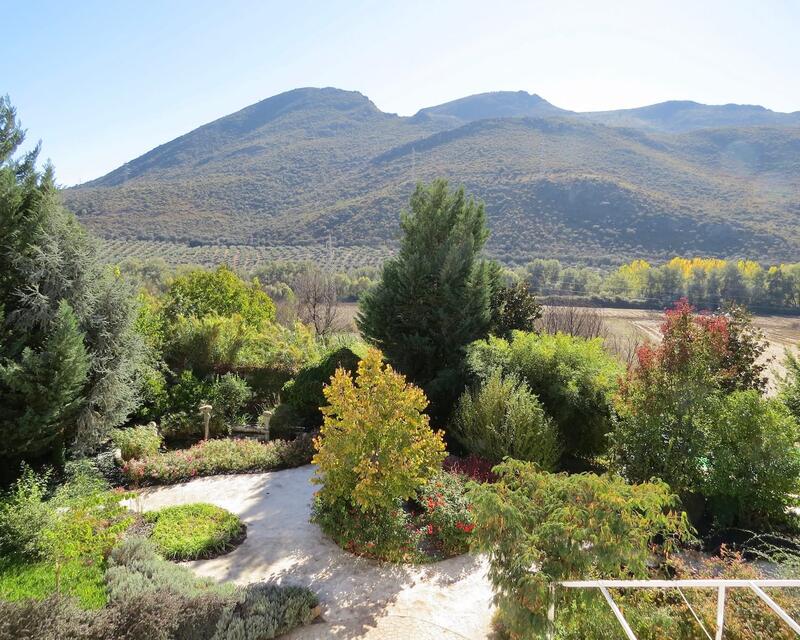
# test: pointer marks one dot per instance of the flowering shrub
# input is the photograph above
(384, 534)
(447, 513)
(219, 456)
(474, 467)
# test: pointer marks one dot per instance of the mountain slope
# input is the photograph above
(678, 116)
(317, 164)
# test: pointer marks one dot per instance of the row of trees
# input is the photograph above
(705, 282)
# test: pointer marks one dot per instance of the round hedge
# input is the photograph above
(195, 531)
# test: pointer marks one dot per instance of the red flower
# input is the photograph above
(430, 529)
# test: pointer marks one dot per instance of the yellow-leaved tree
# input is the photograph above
(375, 446)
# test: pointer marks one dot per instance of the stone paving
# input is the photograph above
(361, 599)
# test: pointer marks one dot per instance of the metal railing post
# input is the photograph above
(720, 613)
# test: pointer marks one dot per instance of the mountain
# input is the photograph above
(313, 166)
(683, 115)
(497, 104)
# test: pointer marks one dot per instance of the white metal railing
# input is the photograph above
(756, 586)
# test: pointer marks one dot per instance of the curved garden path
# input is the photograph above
(360, 598)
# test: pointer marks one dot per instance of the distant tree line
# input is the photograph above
(705, 282)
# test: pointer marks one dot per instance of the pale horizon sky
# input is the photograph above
(101, 83)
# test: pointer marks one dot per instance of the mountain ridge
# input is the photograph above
(312, 164)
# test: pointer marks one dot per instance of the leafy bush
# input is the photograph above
(375, 446)
(790, 385)
(305, 394)
(228, 394)
(386, 534)
(565, 527)
(265, 611)
(209, 610)
(573, 378)
(213, 457)
(25, 514)
(753, 461)
(192, 531)
(221, 292)
(447, 513)
(504, 418)
(137, 442)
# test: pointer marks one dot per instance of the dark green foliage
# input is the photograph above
(567, 527)
(503, 418)
(514, 308)
(573, 378)
(434, 298)
(68, 351)
(385, 534)
(304, 392)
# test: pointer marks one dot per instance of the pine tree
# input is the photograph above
(434, 298)
(68, 350)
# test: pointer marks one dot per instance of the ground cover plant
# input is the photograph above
(57, 541)
(150, 598)
(213, 457)
(194, 531)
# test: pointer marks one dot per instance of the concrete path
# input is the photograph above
(360, 598)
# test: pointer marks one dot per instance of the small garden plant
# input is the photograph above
(213, 457)
(194, 531)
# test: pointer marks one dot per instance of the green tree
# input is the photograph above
(68, 350)
(514, 308)
(221, 292)
(434, 298)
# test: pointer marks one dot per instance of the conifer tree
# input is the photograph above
(434, 297)
(68, 350)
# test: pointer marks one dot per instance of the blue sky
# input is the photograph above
(103, 82)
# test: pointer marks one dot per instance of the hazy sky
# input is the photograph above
(101, 82)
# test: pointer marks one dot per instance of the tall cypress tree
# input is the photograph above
(434, 297)
(68, 350)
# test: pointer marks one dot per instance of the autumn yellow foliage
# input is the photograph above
(375, 446)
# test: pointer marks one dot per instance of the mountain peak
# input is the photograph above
(495, 104)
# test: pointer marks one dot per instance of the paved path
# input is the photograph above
(360, 598)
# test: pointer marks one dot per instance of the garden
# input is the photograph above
(450, 423)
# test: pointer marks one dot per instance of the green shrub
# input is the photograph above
(192, 531)
(137, 442)
(504, 418)
(25, 514)
(265, 611)
(790, 385)
(304, 393)
(753, 461)
(196, 608)
(565, 527)
(213, 457)
(385, 534)
(228, 394)
(573, 378)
